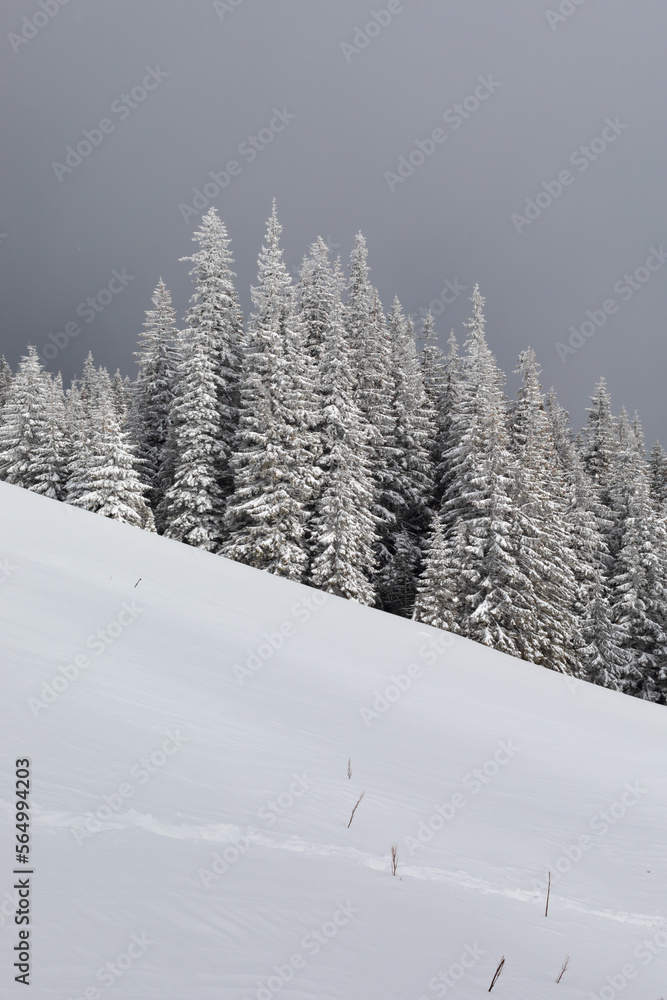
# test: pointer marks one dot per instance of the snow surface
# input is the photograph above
(573, 750)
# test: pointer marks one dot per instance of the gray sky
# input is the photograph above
(219, 72)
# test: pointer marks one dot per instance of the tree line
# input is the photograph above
(315, 441)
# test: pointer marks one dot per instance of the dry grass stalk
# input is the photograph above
(355, 809)
(501, 966)
(563, 968)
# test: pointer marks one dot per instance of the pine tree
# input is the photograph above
(433, 363)
(599, 441)
(317, 296)
(215, 318)
(638, 593)
(605, 659)
(276, 447)
(27, 456)
(120, 397)
(543, 534)
(108, 483)
(5, 381)
(343, 531)
(371, 349)
(495, 598)
(204, 411)
(450, 417)
(411, 486)
(590, 554)
(437, 600)
(52, 447)
(153, 394)
(658, 478)
(192, 508)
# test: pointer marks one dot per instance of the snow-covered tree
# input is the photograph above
(30, 455)
(605, 659)
(638, 592)
(411, 485)
(5, 381)
(203, 414)
(344, 528)
(543, 542)
(317, 292)
(370, 344)
(275, 477)
(110, 485)
(658, 477)
(215, 317)
(495, 597)
(600, 441)
(438, 601)
(153, 393)
(192, 507)
(52, 448)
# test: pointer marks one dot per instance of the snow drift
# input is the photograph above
(189, 723)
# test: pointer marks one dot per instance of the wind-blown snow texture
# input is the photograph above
(572, 752)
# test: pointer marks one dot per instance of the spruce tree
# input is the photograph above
(438, 602)
(27, 453)
(5, 381)
(344, 528)
(52, 448)
(543, 534)
(496, 600)
(215, 319)
(192, 507)
(410, 493)
(108, 483)
(658, 477)
(638, 593)
(153, 393)
(275, 476)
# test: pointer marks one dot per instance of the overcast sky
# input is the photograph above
(181, 87)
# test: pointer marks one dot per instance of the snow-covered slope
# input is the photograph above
(222, 865)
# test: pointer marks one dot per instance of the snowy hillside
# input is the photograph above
(189, 722)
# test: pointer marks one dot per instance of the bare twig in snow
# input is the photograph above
(501, 966)
(394, 859)
(563, 968)
(355, 809)
(546, 910)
